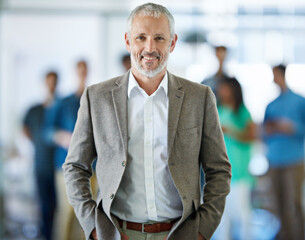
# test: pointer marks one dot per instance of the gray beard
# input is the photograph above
(148, 73)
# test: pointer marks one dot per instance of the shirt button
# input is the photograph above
(124, 163)
(112, 196)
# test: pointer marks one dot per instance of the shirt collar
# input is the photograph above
(132, 83)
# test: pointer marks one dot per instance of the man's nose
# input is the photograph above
(150, 45)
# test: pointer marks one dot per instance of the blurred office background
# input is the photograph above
(38, 36)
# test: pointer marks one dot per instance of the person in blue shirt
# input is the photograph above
(60, 128)
(213, 82)
(284, 131)
(33, 127)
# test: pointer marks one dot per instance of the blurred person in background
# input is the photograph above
(221, 53)
(62, 126)
(284, 131)
(239, 133)
(212, 82)
(126, 62)
(33, 126)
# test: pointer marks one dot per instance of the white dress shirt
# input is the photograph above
(147, 191)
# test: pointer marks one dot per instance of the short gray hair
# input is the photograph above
(153, 10)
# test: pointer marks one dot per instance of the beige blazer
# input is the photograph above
(194, 138)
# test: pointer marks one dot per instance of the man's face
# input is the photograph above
(82, 71)
(221, 54)
(51, 83)
(149, 43)
(278, 76)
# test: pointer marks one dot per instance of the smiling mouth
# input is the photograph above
(149, 58)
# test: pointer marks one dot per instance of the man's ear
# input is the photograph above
(173, 43)
(127, 43)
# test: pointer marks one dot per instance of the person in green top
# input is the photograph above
(239, 133)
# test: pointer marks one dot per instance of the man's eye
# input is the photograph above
(140, 37)
(159, 38)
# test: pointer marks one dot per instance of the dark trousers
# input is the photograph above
(47, 199)
(287, 186)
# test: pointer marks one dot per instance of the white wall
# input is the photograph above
(34, 44)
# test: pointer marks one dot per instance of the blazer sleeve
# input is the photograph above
(216, 167)
(78, 168)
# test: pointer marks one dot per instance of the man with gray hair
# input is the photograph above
(150, 132)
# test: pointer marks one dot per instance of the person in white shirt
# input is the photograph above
(150, 132)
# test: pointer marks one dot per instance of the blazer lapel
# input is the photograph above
(175, 99)
(119, 96)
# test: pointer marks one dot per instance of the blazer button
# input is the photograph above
(111, 196)
(124, 163)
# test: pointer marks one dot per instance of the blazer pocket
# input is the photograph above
(187, 131)
(187, 144)
(189, 135)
